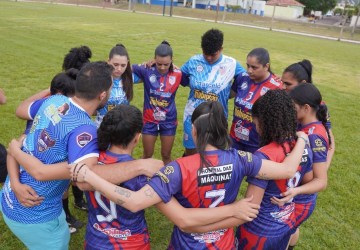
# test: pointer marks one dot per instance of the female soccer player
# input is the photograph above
(207, 179)
(301, 72)
(122, 88)
(311, 115)
(274, 115)
(246, 89)
(161, 82)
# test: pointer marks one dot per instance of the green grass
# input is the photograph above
(35, 37)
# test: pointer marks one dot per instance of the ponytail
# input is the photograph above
(321, 115)
(163, 50)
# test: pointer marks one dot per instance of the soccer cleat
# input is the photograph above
(73, 222)
(72, 230)
(82, 205)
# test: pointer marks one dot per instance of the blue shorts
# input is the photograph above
(54, 234)
(167, 129)
(240, 146)
(188, 141)
(250, 241)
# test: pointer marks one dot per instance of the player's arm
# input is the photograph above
(274, 171)
(37, 169)
(131, 200)
(331, 150)
(25, 194)
(22, 111)
(188, 219)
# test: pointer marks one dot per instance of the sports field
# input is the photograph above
(34, 37)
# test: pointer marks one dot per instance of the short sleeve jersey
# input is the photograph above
(111, 226)
(159, 94)
(33, 109)
(205, 187)
(272, 220)
(117, 97)
(319, 144)
(247, 92)
(209, 82)
(62, 131)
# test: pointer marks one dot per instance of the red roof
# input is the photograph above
(284, 3)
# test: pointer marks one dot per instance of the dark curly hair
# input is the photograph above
(276, 115)
(119, 126)
(77, 58)
(212, 41)
(126, 77)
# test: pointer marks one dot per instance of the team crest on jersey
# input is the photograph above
(152, 78)
(172, 80)
(222, 70)
(244, 86)
(169, 170)
(214, 175)
(263, 91)
(199, 68)
(209, 237)
(45, 142)
(83, 139)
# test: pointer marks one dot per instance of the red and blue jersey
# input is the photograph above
(319, 143)
(272, 220)
(159, 94)
(111, 226)
(243, 131)
(205, 187)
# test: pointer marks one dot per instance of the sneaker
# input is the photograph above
(82, 205)
(72, 230)
(73, 222)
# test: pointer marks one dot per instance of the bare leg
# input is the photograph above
(167, 142)
(294, 239)
(148, 145)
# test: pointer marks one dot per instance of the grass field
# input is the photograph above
(34, 38)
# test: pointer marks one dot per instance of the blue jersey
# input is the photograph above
(272, 220)
(207, 82)
(243, 131)
(62, 131)
(111, 226)
(159, 94)
(319, 143)
(196, 187)
(32, 110)
(117, 97)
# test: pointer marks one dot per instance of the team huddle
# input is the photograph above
(280, 139)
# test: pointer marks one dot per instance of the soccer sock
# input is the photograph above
(78, 194)
(291, 247)
(65, 203)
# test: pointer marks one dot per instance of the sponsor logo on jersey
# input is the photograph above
(214, 175)
(113, 232)
(241, 132)
(199, 68)
(240, 101)
(152, 78)
(83, 139)
(248, 155)
(245, 116)
(45, 142)
(157, 102)
(205, 96)
(263, 91)
(284, 214)
(168, 170)
(319, 146)
(163, 177)
(54, 113)
(35, 123)
(209, 237)
(172, 80)
(311, 130)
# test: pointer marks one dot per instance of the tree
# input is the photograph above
(322, 5)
